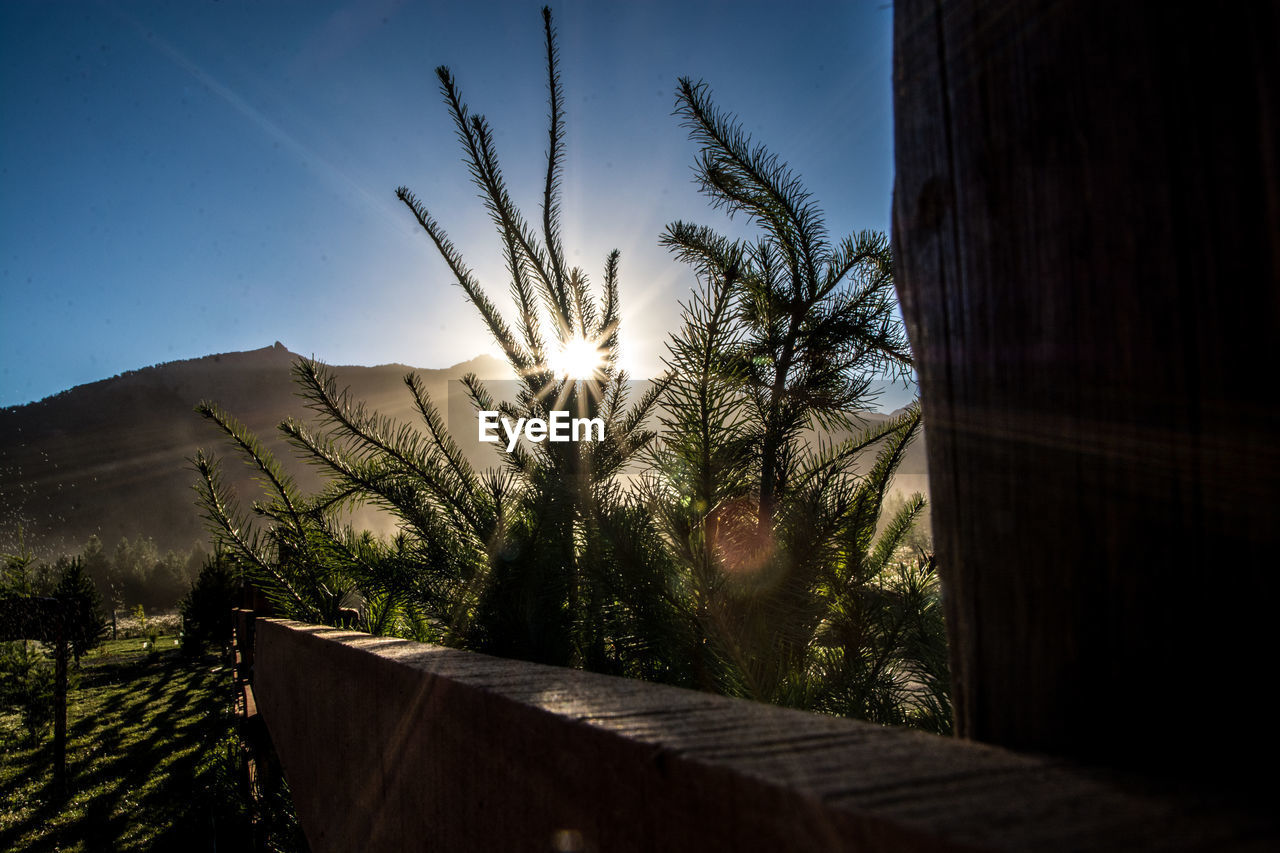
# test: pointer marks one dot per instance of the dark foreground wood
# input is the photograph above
(394, 745)
(1087, 245)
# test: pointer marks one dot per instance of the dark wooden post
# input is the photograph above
(1087, 230)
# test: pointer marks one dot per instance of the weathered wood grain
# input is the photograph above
(1087, 241)
(394, 745)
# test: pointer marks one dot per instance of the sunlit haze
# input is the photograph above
(182, 179)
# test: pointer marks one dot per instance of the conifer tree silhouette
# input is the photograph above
(744, 556)
(796, 599)
(537, 558)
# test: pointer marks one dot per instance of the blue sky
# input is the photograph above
(178, 179)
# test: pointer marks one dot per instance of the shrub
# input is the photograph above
(206, 609)
(87, 621)
(27, 686)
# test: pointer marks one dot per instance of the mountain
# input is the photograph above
(111, 457)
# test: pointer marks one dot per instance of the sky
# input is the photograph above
(180, 179)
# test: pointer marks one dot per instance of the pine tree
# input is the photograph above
(746, 562)
(98, 565)
(84, 605)
(794, 599)
(206, 608)
(535, 558)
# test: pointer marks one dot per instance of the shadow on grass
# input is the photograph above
(150, 761)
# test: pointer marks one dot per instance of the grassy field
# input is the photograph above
(150, 759)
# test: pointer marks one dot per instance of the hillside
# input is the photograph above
(111, 457)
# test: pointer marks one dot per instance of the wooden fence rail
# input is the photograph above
(393, 745)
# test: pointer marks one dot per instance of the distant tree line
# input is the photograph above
(134, 572)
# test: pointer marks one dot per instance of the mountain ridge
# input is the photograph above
(111, 456)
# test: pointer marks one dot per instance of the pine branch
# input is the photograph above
(440, 435)
(555, 155)
(519, 359)
(228, 525)
(712, 255)
(749, 178)
(477, 141)
(374, 434)
(894, 533)
(606, 332)
(256, 456)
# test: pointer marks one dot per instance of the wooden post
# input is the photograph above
(1087, 241)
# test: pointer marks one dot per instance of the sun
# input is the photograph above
(577, 358)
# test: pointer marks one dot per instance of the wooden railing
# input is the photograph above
(393, 745)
